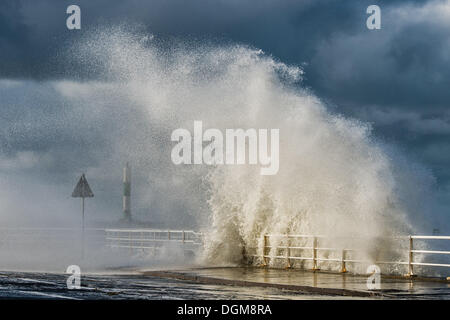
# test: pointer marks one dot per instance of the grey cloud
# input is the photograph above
(404, 63)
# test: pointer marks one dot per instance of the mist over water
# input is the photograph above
(335, 178)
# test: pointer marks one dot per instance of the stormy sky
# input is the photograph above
(396, 78)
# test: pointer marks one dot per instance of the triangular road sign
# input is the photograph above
(82, 190)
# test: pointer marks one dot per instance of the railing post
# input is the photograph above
(168, 234)
(288, 252)
(343, 268)
(315, 268)
(410, 257)
(264, 250)
(184, 237)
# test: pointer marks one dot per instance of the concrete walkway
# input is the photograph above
(324, 283)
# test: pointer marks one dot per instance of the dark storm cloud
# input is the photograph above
(403, 65)
(291, 30)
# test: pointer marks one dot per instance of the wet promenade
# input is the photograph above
(214, 283)
(318, 283)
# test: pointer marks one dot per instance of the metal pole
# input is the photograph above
(82, 227)
(130, 242)
(127, 192)
(410, 257)
(288, 252)
(343, 268)
(264, 251)
(315, 254)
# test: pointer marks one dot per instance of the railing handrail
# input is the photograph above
(47, 229)
(431, 237)
(151, 230)
(149, 238)
(294, 235)
(352, 237)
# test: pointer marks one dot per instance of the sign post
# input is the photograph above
(82, 190)
(127, 193)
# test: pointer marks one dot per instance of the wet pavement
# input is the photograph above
(396, 288)
(195, 283)
(30, 285)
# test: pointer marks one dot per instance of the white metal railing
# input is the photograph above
(151, 238)
(26, 235)
(313, 247)
(411, 251)
(293, 248)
